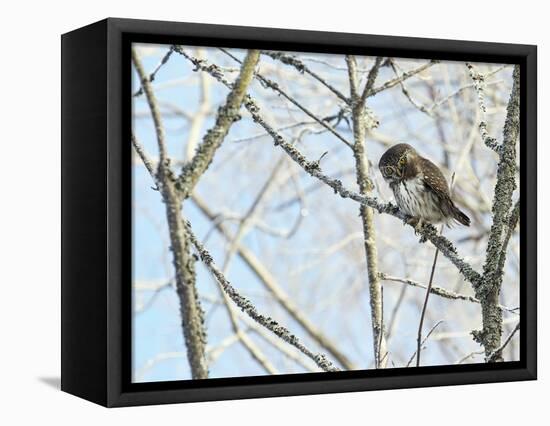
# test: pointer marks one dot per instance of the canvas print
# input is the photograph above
(298, 212)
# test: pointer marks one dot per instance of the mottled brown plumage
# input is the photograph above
(420, 189)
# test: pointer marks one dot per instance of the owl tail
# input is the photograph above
(460, 217)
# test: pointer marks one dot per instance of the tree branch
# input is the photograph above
(246, 306)
(489, 290)
(371, 77)
(428, 232)
(152, 76)
(367, 215)
(281, 346)
(415, 354)
(408, 95)
(303, 68)
(439, 291)
(155, 113)
(511, 226)
(275, 87)
(226, 116)
(405, 76)
(192, 315)
(198, 119)
(145, 159)
(271, 285)
(479, 85)
(498, 352)
(424, 307)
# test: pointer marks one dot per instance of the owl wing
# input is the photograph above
(435, 180)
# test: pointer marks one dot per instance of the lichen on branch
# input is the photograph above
(227, 114)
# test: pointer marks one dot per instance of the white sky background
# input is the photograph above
(321, 265)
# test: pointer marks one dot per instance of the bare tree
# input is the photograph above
(287, 225)
(174, 189)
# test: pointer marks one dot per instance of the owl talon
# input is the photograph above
(417, 224)
(418, 230)
(413, 221)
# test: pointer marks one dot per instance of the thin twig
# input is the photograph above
(479, 85)
(407, 94)
(371, 78)
(424, 341)
(275, 87)
(382, 351)
(395, 311)
(424, 306)
(303, 68)
(152, 76)
(197, 121)
(151, 300)
(468, 356)
(440, 291)
(447, 98)
(405, 76)
(155, 113)
(145, 159)
(498, 352)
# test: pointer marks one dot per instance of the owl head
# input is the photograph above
(394, 161)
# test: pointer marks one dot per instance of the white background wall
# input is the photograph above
(30, 230)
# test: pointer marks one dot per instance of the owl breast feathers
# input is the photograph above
(419, 187)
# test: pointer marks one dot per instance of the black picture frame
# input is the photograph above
(96, 211)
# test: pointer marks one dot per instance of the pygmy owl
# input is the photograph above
(419, 187)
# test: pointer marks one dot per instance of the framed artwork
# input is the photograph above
(254, 212)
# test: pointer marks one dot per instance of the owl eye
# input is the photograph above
(388, 171)
(401, 162)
